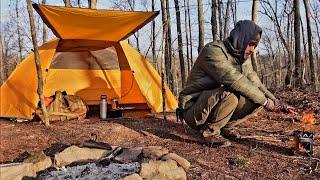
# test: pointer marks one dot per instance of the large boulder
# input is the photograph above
(77, 154)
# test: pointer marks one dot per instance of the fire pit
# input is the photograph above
(74, 162)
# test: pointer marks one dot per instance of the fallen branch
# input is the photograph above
(260, 138)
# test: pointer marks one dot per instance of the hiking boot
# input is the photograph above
(230, 132)
(214, 139)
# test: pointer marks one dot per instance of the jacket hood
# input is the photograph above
(239, 38)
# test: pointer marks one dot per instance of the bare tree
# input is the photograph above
(169, 48)
(226, 20)
(313, 64)
(187, 33)
(132, 5)
(67, 3)
(272, 13)
(214, 23)
(220, 4)
(180, 46)
(234, 12)
(153, 34)
(201, 25)
(164, 55)
(18, 30)
(37, 61)
(297, 32)
(167, 51)
(2, 67)
(190, 34)
(92, 4)
(304, 59)
(255, 6)
(44, 28)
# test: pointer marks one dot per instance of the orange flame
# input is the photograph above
(300, 147)
(308, 118)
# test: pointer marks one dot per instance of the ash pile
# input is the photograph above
(92, 171)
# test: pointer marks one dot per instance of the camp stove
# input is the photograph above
(304, 141)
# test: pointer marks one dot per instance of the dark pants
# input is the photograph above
(217, 108)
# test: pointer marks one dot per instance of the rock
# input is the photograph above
(163, 170)
(149, 169)
(181, 161)
(167, 165)
(40, 161)
(154, 152)
(15, 171)
(173, 174)
(129, 155)
(75, 154)
(134, 176)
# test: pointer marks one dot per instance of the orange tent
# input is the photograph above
(87, 59)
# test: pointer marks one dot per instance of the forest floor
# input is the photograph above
(269, 158)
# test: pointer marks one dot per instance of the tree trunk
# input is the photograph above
(187, 34)
(171, 71)
(37, 62)
(234, 12)
(44, 28)
(220, 4)
(67, 3)
(180, 47)
(214, 24)
(304, 74)
(2, 64)
(92, 4)
(167, 55)
(297, 32)
(190, 37)
(201, 25)
(132, 5)
(164, 56)
(313, 64)
(18, 31)
(255, 6)
(226, 20)
(153, 34)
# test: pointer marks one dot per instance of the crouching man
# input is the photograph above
(223, 87)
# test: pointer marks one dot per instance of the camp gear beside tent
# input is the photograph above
(65, 107)
(88, 59)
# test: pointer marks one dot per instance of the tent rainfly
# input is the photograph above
(88, 58)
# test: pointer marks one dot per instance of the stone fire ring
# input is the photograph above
(155, 162)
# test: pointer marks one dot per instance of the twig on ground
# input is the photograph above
(261, 138)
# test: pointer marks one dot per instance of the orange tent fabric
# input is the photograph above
(133, 80)
(77, 23)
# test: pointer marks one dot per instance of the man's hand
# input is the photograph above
(278, 106)
(272, 105)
